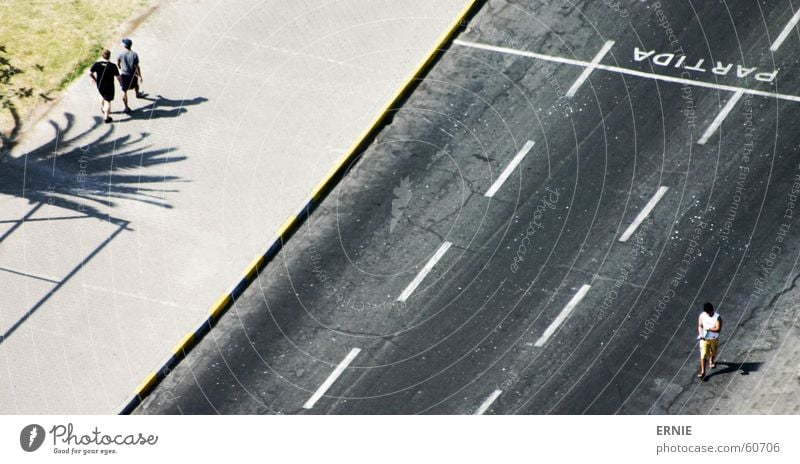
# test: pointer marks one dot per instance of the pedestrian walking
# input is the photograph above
(709, 325)
(130, 72)
(103, 74)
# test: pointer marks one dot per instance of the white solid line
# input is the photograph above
(785, 32)
(487, 402)
(509, 169)
(585, 74)
(563, 315)
(332, 378)
(643, 214)
(425, 270)
(720, 117)
(629, 72)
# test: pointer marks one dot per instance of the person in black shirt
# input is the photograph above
(103, 74)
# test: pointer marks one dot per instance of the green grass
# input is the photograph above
(54, 41)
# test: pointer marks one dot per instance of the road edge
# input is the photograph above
(293, 223)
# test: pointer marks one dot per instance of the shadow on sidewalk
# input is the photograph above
(89, 170)
(727, 368)
(160, 108)
(86, 172)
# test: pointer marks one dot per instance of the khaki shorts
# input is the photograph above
(709, 348)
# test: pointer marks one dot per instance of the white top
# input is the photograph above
(709, 322)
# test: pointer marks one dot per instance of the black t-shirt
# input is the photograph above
(105, 71)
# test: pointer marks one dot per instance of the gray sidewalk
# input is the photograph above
(116, 239)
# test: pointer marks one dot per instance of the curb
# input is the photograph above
(292, 225)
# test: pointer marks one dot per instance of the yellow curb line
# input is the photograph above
(328, 182)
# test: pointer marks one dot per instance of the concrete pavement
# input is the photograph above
(117, 238)
(444, 294)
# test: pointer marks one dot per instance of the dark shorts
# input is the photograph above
(128, 82)
(107, 93)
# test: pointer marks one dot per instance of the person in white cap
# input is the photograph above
(130, 72)
(709, 325)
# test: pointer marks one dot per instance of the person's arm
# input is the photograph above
(717, 327)
(700, 326)
(139, 72)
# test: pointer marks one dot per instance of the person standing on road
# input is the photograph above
(709, 325)
(103, 74)
(131, 72)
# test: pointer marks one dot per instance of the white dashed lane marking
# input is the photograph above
(563, 315)
(331, 378)
(585, 74)
(487, 403)
(509, 169)
(720, 117)
(424, 272)
(785, 32)
(643, 214)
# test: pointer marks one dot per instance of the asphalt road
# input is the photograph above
(533, 304)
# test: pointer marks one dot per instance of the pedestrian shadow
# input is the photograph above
(744, 368)
(160, 108)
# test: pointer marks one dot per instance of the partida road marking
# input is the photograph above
(631, 72)
(666, 60)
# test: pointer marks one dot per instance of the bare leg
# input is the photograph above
(702, 362)
(107, 110)
(125, 100)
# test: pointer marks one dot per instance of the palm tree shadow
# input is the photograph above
(744, 368)
(89, 171)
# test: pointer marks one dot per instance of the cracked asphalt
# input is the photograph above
(725, 231)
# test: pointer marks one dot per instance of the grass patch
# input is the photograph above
(54, 41)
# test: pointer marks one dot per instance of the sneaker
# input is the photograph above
(108, 119)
